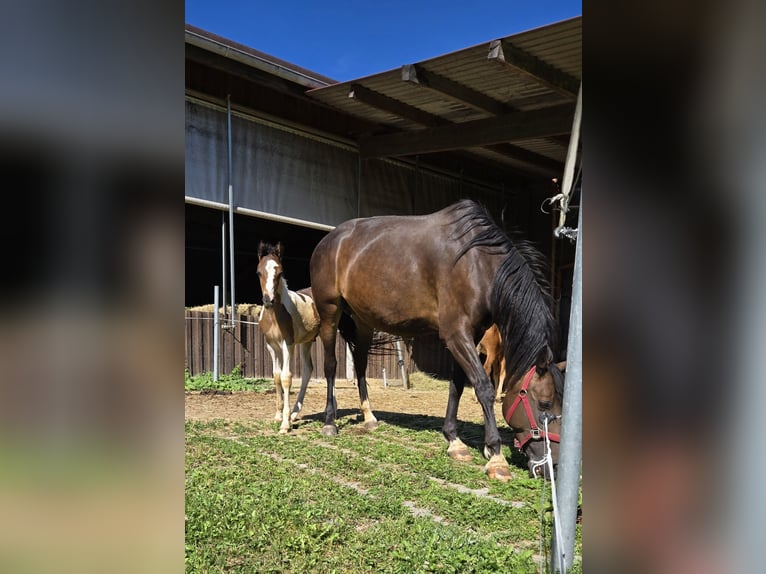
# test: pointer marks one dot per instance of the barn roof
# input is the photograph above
(509, 100)
(503, 106)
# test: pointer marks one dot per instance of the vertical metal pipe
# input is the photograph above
(223, 262)
(231, 213)
(574, 138)
(215, 333)
(570, 451)
(400, 360)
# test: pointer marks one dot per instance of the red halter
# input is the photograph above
(535, 432)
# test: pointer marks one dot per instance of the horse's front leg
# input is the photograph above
(286, 381)
(276, 369)
(464, 352)
(457, 448)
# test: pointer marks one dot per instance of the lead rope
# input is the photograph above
(548, 459)
(542, 523)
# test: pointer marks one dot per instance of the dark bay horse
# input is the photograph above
(454, 273)
(288, 318)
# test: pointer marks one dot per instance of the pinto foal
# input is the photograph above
(288, 318)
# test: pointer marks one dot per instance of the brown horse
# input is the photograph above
(454, 273)
(288, 318)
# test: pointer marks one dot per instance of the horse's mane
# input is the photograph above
(522, 306)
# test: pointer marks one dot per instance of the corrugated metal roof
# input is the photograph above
(548, 55)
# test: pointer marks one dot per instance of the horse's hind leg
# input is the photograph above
(328, 332)
(306, 368)
(361, 348)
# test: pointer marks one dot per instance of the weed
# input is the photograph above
(231, 382)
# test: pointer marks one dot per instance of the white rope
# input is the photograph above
(213, 318)
(542, 524)
(548, 460)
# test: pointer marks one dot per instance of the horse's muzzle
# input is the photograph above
(267, 302)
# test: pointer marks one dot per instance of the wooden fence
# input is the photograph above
(244, 346)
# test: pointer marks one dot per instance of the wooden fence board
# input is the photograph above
(245, 346)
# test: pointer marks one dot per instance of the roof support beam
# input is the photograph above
(382, 102)
(418, 75)
(510, 127)
(392, 106)
(533, 67)
(530, 158)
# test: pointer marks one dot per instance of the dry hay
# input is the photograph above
(250, 309)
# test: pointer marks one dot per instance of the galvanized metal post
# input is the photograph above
(215, 333)
(400, 360)
(570, 451)
(223, 262)
(231, 213)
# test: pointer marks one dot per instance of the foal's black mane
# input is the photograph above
(522, 306)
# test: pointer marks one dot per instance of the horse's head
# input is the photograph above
(270, 272)
(531, 399)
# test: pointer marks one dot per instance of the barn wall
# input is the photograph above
(245, 347)
(284, 171)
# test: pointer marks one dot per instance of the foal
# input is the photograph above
(287, 319)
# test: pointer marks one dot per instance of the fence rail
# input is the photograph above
(244, 346)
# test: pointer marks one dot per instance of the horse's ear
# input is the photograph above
(279, 249)
(562, 366)
(262, 248)
(544, 358)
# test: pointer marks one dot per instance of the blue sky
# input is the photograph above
(344, 39)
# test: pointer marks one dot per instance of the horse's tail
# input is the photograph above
(381, 345)
(347, 330)
(522, 308)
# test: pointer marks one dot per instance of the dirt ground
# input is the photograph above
(429, 400)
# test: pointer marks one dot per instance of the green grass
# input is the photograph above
(361, 502)
(231, 382)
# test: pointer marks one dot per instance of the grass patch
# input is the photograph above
(231, 382)
(425, 382)
(361, 502)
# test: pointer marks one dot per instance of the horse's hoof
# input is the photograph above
(458, 451)
(329, 430)
(294, 417)
(278, 417)
(497, 468)
(283, 430)
(371, 425)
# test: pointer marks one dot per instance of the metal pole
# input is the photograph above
(400, 359)
(570, 450)
(231, 213)
(223, 261)
(215, 333)
(574, 138)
